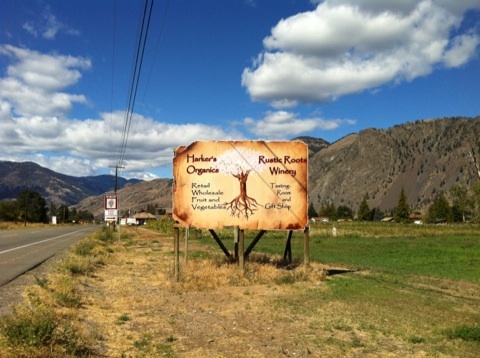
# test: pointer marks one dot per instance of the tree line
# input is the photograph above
(464, 207)
(30, 206)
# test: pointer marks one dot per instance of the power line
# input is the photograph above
(142, 41)
(113, 72)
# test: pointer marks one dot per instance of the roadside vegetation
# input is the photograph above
(30, 207)
(374, 289)
(46, 323)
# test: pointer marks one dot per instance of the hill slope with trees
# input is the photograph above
(54, 187)
(424, 158)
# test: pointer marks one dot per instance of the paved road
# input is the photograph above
(22, 250)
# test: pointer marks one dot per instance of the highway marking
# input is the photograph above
(39, 242)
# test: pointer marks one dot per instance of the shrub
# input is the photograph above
(29, 326)
(85, 247)
(165, 225)
(77, 265)
(105, 235)
(467, 333)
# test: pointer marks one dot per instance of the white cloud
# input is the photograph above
(34, 81)
(282, 124)
(48, 26)
(83, 147)
(348, 46)
(33, 116)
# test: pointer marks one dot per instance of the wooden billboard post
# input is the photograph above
(241, 249)
(176, 249)
(306, 246)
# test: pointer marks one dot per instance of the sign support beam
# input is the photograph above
(306, 246)
(220, 243)
(176, 249)
(287, 254)
(254, 242)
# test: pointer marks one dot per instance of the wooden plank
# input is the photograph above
(176, 250)
(187, 237)
(306, 248)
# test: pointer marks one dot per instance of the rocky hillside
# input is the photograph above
(134, 197)
(424, 158)
(54, 187)
(314, 144)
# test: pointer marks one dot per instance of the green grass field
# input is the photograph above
(450, 252)
(417, 283)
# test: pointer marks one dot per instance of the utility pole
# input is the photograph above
(116, 175)
(118, 201)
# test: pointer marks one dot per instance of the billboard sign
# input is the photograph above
(255, 185)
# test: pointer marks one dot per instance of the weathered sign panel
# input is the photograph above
(111, 207)
(255, 185)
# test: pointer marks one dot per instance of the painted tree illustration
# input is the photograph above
(240, 163)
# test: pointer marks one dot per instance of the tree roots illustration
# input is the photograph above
(243, 205)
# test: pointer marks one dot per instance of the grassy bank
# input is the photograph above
(45, 323)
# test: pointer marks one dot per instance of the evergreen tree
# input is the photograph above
(63, 213)
(84, 215)
(9, 211)
(344, 212)
(462, 202)
(73, 215)
(364, 210)
(311, 211)
(402, 211)
(32, 206)
(440, 210)
(151, 209)
(378, 214)
(328, 210)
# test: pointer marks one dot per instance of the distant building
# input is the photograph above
(320, 220)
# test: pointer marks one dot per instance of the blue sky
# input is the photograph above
(221, 70)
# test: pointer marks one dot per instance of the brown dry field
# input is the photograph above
(135, 308)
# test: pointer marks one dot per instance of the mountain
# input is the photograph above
(134, 197)
(314, 144)
(423, 157)
(54, 187)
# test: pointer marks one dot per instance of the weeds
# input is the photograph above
(42, 282)
(465, 332)
(85, 247)
(29, 326)
(123, 319)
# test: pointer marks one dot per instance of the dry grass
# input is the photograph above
(133, 307)
(10, 225)
(215, 310)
